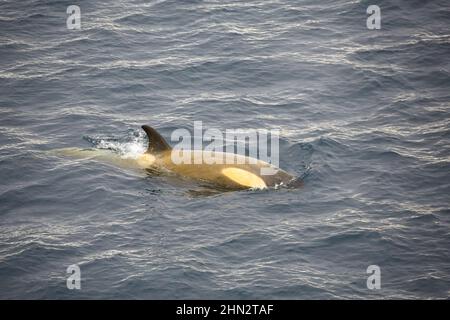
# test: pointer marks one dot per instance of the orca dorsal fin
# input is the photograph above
(156, 142)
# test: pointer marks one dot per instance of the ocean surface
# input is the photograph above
(364, 118)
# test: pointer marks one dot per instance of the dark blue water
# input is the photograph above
(364, 118)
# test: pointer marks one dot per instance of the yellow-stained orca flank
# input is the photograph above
(237, 171)
(244, 178)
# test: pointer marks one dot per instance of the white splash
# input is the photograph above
(132, 148)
